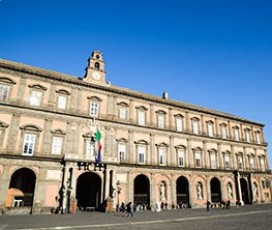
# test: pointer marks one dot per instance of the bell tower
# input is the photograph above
(95, 71)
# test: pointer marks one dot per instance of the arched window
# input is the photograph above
(96, 65)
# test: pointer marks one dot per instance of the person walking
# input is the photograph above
(129, 210)
(208, 205)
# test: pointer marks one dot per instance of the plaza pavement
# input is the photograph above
(170, 219)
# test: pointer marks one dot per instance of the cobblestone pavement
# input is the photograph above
(247, 217)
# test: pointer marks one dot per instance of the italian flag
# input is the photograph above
(98, 137)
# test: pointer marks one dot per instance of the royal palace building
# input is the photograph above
(69, 143)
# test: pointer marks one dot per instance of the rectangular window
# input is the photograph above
(35, 98)
(57, 145)
(89, 149)
(4, 90)
(236, 134)
(122, 151)
(141, 118)
(123, 113)
(262, 164)
(161, 121)
(197, 158)
(210, 129)
(258, 138)
(247, 132)
(223, 132)
(227, 161)
(213, 160)
(240, 162)
(62, 101)
(94, 108)
(141, 154)
(162, 156)
(29, 144)
(251, 162)
(181, 162)
(195, 127)
(179, 124)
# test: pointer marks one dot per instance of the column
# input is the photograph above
(232, 154)
(171, 160)
(131, 152)
(14, 128)
(173, 190)
(170, 117)
(202, 132)
(152, 120)
(151, 157)
(240, 198)
(191, 191)
(219, 157)
(153, 198)
(216, 127)
(208, 189)
(206, 158)
(21, 90)
(187, 123)
(52, 96)
(188, 156)
(47, 137)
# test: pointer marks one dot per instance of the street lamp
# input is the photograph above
(118, 191)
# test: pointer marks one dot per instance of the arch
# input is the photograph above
(7, 80)
(88, 190)
(141, 190)
(182, 188)
(244, 190)
(97, 65)
(215, 190)
(21, 188)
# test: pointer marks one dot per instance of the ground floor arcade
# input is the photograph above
(45, 185)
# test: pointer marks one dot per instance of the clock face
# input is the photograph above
(96, 76)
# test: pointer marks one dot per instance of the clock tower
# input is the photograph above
(95, 71)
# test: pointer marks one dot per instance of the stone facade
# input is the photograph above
(154, 150)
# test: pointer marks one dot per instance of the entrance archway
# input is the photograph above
(215, 190)
(21, 188)
(182, 187)
(88, 190)
(244, 190)
(141, 190)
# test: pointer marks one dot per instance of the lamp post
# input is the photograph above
(118, 191)
(62, 187)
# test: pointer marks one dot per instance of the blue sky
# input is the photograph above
(215, 54)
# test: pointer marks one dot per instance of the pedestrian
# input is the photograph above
(129, 210)
(208, 205)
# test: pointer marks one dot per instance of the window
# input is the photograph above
(141, 154)
(236, 134)
(89, 148)
(57, 145)
(179, 123)
(4, 92)
(29, 144)
(240, 161)
(162, 155)
(195, 125)
(210, 129)
(123, 113)
(94, 109)
(96, 65)
(35, 98)
(181, 160)
(198, 158)
(5, 87)
(258, 137)
(122, 151)
(251, 161)
(262, 163)
(62, 101)
(161, 120)
(247, 133)
(227, 160)
(213, 159)
(223, 131)
(141, 117)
